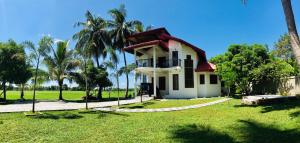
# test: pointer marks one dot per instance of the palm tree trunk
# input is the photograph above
(4, 90)
(60, 83)
(34, 85)
(290, 20)
(22, 92)
(86, 86)
(127, 80)
(99, 94)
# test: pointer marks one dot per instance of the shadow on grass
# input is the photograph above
(145, 104)
(65, 115)
(286, 105)
(198, 133)
(254, 132)
(104, 113)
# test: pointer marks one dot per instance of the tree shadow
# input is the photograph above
(198, 133)
(286, 105)
(65, 115)
(295, 114)
(104, 113)
(144, 104)
(254, 132)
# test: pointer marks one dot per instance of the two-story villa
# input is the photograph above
(175, 67)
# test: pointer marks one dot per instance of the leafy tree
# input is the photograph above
(235, 66)
(93, 39)
(12, 60)
(59, 63)
(120, 30)
(269, 77)
(36, 55)
(23, 77)
(283, 50)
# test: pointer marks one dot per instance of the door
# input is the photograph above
(161, 62)
(162, 83)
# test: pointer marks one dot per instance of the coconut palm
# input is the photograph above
(120, 30)
(59, 62)
(291, 24)
(93, 39)
(36, 55)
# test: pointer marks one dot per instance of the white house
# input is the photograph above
(175, 67)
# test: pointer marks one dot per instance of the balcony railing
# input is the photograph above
(159, 64)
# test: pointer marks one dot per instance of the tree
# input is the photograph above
(270, 77)
(36, 55)
(23, 77)
(235, 66)
(113, 65)
(283, 50)
(93, 38)
(120, 30)
(291, 24)
(59, 63)
(12, 60)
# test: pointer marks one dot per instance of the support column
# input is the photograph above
(154, 70)
(135, 92)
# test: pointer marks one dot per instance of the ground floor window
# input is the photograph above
(162, 83)
(213, 79)
(175, 82)
(202, 79)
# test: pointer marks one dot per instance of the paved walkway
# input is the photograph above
(164, 109)
(60, 105)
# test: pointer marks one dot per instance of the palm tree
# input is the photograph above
(36, 55)
(113, 65)
(94, 38)
(291, 24)
(120, 29)
(59, 63)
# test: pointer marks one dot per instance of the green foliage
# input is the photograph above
(95, 76)
(270, 77)
(60, 62)
(283, 50)
(235, 66)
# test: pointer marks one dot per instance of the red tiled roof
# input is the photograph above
(205, 67)
(162, 44)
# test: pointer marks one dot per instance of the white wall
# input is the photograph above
(207, 89)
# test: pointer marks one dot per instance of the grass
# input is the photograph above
(226, 122)
(169, 103)
(53, 95)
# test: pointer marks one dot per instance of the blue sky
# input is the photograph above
(211, 25)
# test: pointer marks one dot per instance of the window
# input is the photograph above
(175, 58)
(202, 79)
(162, 83)
(213, 79)
(175, 82)
(188, 72)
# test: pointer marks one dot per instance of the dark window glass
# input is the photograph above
(144, 78)
(162, 83)
(213, 79)
(202, 79)
(175, 82)
(175, 58)
(188, 72)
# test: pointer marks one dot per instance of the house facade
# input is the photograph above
(174, 67)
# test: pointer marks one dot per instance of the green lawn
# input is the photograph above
(169, 103)
(53, 95)
(221, 123)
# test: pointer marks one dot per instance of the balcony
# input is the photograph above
(165, 63)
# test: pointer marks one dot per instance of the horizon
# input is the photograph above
(210, 25)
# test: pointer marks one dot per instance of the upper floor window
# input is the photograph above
(188, 72)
